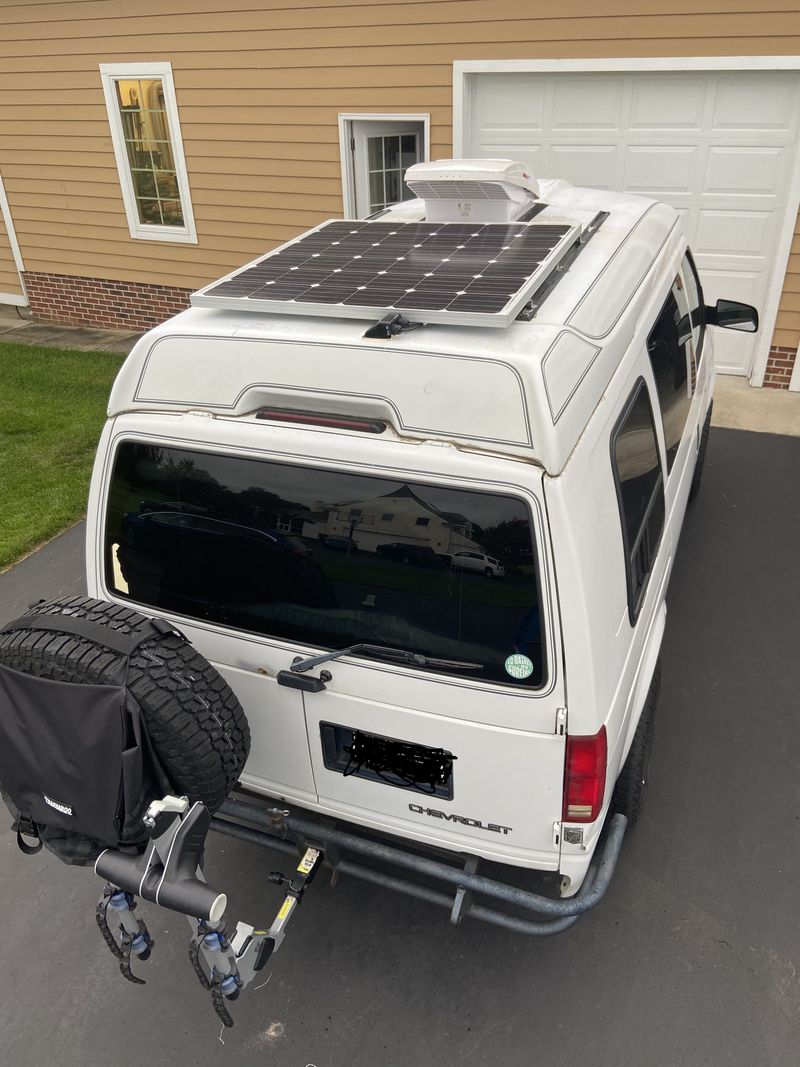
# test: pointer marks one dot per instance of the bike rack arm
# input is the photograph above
(169, 880)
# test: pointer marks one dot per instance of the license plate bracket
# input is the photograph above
(401, 764)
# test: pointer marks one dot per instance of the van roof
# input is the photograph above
(526, 390)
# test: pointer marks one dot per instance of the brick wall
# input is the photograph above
(114, 305)
(779, 368)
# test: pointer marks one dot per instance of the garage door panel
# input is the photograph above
(728, 359)
(688, 218)
(734, 233)
(661, 170)
(522, 140)
(661, 105)
(533, 156)
(739, 170)
(730, 284)
(571, 162)
(511, 100)
(773, 106)
(593, 105)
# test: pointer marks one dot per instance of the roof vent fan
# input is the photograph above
(473, 190)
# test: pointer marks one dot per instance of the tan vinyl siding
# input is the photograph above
(787, 325)
(259, 89)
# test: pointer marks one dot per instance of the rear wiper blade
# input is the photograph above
(399, 655)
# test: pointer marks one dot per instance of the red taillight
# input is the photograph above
(584, 777)
(312, 418)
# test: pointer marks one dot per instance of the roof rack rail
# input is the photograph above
(561, 268)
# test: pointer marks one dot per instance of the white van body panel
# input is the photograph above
(527, 411)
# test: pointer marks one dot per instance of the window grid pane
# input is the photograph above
(388, 158)
(391, 153)
(152, 166)
(377, 197)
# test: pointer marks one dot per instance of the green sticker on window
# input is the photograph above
(519, 666)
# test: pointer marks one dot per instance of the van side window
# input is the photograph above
(640, 491)
(694, 295)
(669, 349)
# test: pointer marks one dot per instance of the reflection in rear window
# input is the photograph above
(329, 559)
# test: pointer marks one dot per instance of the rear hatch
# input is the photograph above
(446, 729)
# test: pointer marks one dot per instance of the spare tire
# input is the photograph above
(195, 722)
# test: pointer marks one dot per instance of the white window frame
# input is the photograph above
(18, 299)
(346, 120)
(109, 74)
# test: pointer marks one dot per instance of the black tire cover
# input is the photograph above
(195, 722)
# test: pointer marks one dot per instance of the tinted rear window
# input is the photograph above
(640, 489)
(317, 556)
(668, 347)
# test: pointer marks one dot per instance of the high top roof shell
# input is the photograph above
(525, 391)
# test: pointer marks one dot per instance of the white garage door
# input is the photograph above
(719, 147)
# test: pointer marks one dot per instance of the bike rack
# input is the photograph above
(169, 874)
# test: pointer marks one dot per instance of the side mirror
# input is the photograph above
(733, 316)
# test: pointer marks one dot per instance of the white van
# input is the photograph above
(301, 469)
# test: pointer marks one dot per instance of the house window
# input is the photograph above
(640, 492)
(423, 522)
(145, 132)
(387, 516)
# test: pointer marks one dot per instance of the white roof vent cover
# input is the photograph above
(473, 190)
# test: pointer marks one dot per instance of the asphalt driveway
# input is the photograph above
(691, 959)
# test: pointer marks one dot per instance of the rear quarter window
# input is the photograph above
(669, 348)
(640, 491)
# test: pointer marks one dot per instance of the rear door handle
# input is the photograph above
(307, 683)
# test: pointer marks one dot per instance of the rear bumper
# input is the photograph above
(459, 889)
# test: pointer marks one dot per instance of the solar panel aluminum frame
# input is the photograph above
(502, 318)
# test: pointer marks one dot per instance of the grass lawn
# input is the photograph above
(52, 408)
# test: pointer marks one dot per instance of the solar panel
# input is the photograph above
(464, 273)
